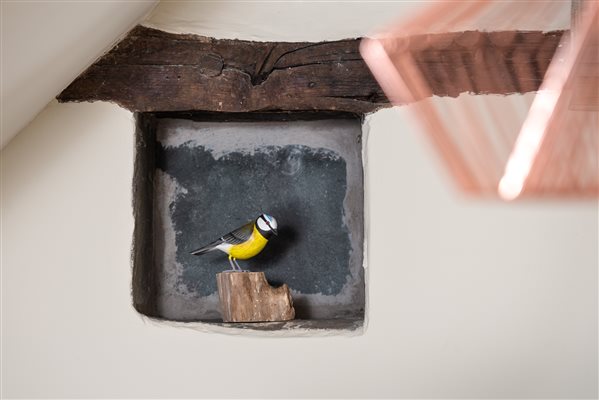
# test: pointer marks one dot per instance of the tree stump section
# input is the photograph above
(247, 297)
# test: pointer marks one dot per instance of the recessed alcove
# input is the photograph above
(200, 175)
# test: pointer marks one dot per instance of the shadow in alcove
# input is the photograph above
(276, 250)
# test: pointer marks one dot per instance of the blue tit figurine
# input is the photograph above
(244, 242)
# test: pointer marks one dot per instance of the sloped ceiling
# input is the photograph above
(314, 21)
(46, 45)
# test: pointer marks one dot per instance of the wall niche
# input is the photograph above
(252, 147)
(199, 175)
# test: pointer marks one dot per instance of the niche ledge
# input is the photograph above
(296, 328)
(198, 175)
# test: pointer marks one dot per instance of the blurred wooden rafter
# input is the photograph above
(554, 152)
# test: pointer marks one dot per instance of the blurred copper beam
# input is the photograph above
(476, 135)
(448, 64)
(556, 150)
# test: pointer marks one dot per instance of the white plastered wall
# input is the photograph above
(47, 44)
(466, 298)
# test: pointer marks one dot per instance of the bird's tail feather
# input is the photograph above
(206, 249)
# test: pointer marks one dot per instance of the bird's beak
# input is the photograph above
(274, 231)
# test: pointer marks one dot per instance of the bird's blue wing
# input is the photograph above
(239, 235)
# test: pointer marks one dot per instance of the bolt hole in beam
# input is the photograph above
(198, 175)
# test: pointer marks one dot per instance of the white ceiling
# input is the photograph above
(331, 20)
(47, 44)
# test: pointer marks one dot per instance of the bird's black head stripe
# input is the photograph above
(265, 234)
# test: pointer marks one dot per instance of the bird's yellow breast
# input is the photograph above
(250, 248)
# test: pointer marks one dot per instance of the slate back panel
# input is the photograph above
(213, 177)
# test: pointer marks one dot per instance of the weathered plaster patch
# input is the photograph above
(174, 299)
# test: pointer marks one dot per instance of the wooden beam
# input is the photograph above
(151, 70)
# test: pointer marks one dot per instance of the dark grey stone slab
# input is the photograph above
(302, 187)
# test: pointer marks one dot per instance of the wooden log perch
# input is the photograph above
(247, 297)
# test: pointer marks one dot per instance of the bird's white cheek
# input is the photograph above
(262, 225)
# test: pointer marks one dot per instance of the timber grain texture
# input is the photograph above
(247, 297)
(151, 70)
